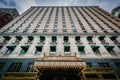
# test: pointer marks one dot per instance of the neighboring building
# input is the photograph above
(12, 11)
(6, 15)
(116, 11)
(61, 43)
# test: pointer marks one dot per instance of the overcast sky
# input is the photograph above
(23, 5)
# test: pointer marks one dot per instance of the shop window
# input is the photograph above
(14, 67)
(39, 49)
(81, 49)
(30, 67)
(104, 64)
(89, 64)
(24, 49)
(117, 64)
(2, 65)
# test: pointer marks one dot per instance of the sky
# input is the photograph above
(23, 5)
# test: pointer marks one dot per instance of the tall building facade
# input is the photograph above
(6, 15)
(116, 11)
(61, 43)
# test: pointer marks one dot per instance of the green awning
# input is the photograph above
(81, 48)
(19, 37)
(109, 48)
(65, 38)
(54, 38)
(11, 47)
(66, 48)
(89, 38)
(7, 37)
(39, 48)
(53, 48)
(101, 37)
(113, 37)
(77, 38)
(30, 37)
(94, 48)
(42, 38)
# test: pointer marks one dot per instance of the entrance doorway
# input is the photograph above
(60, 74)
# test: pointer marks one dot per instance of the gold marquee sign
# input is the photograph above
(60, 64)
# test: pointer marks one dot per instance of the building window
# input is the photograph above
(10, 49)
(14, 67)
(7, 38)
(89, 38)
(30, 38)
(110, 49)
(67, 49)
(101, 38)
(113, 38)
(39, 50)
(54, 38)
(118, 46)
(1, 47)
(66, 39)
(104, 64)
(18, 38)
(30, 67)
(95, 49)
(117, 64)
(89, 64)
(77, 38)
(42, 38)
(52, 49)
(1, 65)
(81, 49)
(24, 49)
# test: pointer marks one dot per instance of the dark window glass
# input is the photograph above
(10, 49)
(39, 49)
(110, 49)
(54, 38)
(104, 64)
(89, 64)
(42, 38)
(14, 67)
(24, 49)
(81, 49)
(1, 65)
(77, 38)
(95, 49)
(66, 38)
(67, 49)
(30, 67)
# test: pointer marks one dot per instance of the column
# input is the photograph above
(60, 49)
